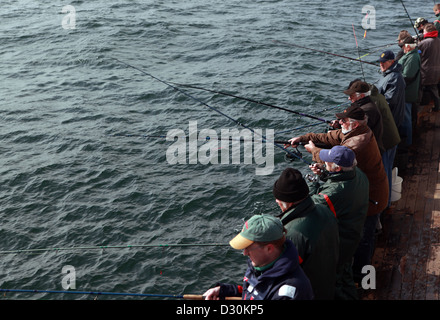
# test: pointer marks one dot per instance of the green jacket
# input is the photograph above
(411, 73)
(437, 23)
(390, 136)
(314, 231)
(346, 194)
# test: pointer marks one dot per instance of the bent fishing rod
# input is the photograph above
(103, 293)
(212, 108)
(412, 24)
(252, 100)
(325, 52)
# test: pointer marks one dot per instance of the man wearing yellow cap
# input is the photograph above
(273, 270)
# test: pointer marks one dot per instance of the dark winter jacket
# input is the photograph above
(314, 231)
(390, 137)
(374, 119)
(346, 194)
(392, 86)
(430, 57)
(285, 280)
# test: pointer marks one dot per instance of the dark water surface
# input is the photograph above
(77, 168)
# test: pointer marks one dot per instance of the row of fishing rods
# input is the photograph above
(296, 154)
(278, 143)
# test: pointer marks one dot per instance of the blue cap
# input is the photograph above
(386, 56)
(340, 155)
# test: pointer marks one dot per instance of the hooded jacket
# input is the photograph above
(392, 86)
(430, 57)
(285, 280)
(361, 140)
(314, 231)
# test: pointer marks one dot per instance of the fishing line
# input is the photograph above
(210, 107)
(57, 249)
(252, 100)
(333, 54)
(381, 46)
(357, 47)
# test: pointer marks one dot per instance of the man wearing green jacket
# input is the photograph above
(345, 190)
(411, 74)
(312, 228)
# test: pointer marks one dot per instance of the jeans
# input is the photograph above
(405, 129)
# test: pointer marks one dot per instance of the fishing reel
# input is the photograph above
(294, 155)
(311, 177)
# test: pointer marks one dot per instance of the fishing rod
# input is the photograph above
(103, 293)
(57, 249)
(412, 24)
(359, 55)
(333, 54)
(210, 107)
(252, 100)
(207, 138)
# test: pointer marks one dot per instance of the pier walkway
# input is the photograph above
(407, 255)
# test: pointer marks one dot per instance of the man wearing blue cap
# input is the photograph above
(392, 86)
(346, 192)
(273, 270)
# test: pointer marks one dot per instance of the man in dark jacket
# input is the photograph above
(312, 228)
(392, 86)
(273, 267)
(344, 189)
(359, 94)
(430, 68)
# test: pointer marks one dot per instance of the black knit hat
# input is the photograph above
(290, 186)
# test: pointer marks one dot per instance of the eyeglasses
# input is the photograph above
(344, 120)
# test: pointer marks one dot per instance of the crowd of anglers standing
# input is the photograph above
(319, 244)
